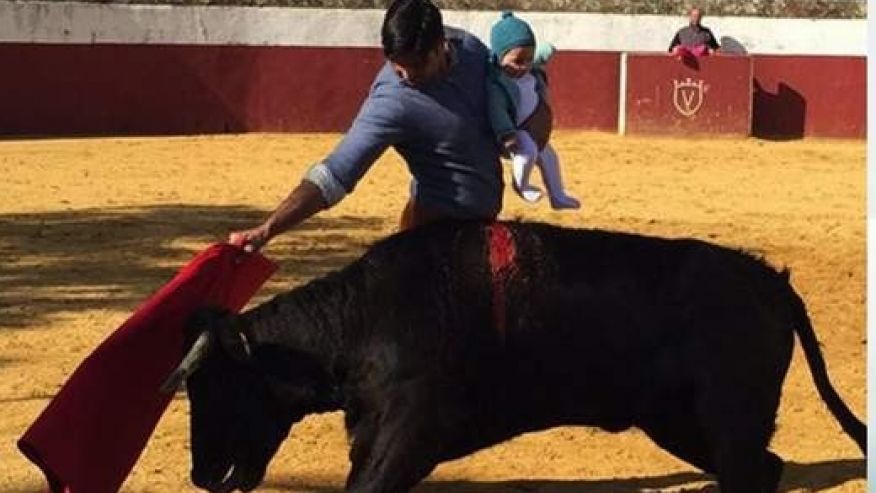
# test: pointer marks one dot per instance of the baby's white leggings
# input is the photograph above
(528, 156)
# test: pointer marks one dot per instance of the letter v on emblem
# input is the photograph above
(688, 96)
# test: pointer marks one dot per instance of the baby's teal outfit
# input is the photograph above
(513, 101)
(504, 95)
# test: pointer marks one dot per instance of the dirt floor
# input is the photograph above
(90, 227)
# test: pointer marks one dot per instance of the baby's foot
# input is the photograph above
(565, 202)
(527, 192)
(531, 194)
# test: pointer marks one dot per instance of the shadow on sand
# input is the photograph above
(114, 258)
(816, 476)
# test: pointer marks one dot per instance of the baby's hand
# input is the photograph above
(510, 144)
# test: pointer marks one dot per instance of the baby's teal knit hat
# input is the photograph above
(509, 33)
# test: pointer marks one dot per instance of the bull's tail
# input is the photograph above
(854, 427)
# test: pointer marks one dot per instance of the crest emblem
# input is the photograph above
(688, 96)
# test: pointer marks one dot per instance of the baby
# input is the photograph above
(520, 112)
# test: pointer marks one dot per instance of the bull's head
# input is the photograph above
(242, 410)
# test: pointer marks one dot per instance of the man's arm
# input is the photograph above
(377, 126)
(304, 201)
(713, 42)
(676, 40)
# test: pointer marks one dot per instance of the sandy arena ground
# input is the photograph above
(90, 227)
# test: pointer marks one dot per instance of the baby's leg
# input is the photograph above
(549, 163)
(522, 162)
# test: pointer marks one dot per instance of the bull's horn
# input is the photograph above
(200, 349)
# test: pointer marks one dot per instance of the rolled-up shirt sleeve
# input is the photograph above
(377, 126)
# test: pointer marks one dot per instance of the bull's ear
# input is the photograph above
(203, 319)
(226, 326)
(232, 336)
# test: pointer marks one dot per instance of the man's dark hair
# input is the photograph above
(411, 28)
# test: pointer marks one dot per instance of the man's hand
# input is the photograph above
(250, 239)
(304, 201)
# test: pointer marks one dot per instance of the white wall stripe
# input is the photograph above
(622, 97)
(70, 22)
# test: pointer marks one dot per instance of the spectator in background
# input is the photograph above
(695, 40)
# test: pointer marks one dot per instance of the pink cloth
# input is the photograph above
(691, 51)
(91, 434)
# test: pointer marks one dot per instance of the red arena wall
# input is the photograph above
(584, 90)
(710, 95)
(64, 89)
(803, 96)
(87, 68)
(171, 89)
(154, 89)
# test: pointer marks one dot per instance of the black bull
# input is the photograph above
(433, 353)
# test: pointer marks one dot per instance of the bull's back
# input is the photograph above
(619, 316)
(581, 312)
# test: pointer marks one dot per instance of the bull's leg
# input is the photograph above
(401, 440)
(740, 361)
(680, 434)
(395, 463)
(774, 468)
(746, 466)
(738, 426)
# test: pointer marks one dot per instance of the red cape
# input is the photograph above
(91, 434)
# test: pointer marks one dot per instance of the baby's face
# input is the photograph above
(518, 61)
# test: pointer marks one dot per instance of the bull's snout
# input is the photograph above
(211, 478)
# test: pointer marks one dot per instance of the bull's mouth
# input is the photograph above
(216, 486)
(235, 477)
